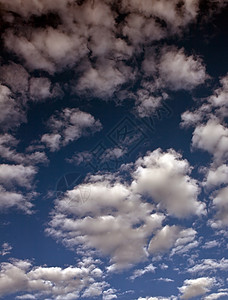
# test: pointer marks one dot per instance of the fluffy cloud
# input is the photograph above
(9, 153)
(210, 265)
(212, 137)
(12, 179)
(54, 282)
(128, 219)
(172, 236)
(196, 287)
(216, 177)
(98, 46)
(180, 71)
(11, 113)
(165, 178)
(221, 206)
(81, 217)
(68, 126)
(19, 175)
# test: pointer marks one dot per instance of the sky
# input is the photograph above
(114, 149)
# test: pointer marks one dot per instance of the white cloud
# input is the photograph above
(181, 240)
(211, 244)
(26, 296)
(140, 272)
(11, 112)
(165, 178)
(54, 282)
(212, 137)
(215, 296)
(216, 177)
(129, 221)
(108, 201)
(12, 178)
(196, 287)
(68, 126)
(18, 175)
(9, 153)
(221, 207)
(210, 265)
(180, 71)
(6, 249)
(158, 298)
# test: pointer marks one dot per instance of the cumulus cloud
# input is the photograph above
(221, 207)
(9, 153)
(181, 240)
(209, 265)
(11, 113)
(125, 216)
(110, 202)
(180, 71)
(165, 178)
(54, 282)
(196, 287)
(212, 137)
(98, 40)
(216, 177)
(211, 134)
(13, 178)
(67, 126)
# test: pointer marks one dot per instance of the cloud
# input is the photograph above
(158, 298)
(221, 207)
(99, 40)
(210, 265)
(140, 272)
(11, 113)
(129, 221)
(164, 177)
(196, 287)
(215, 296)
(216, 177)
(13, 178)
(212, 137)
(19, 175)
(80, 216)
(211, 244)
(8, 152)
(6, 249)
(180, 71)
(67, 126)
(172, 237)
(55, 282)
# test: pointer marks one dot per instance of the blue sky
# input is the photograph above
(114, 148)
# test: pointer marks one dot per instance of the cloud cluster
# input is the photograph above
(211, 134)
(67, 126)
(119, 218)
(73, 282)
(196, 287)
(100, 41)
(15, 183)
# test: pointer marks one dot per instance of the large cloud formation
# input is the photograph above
(211, 134)
(118, 218)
